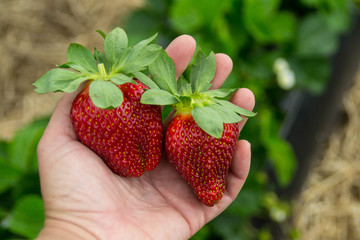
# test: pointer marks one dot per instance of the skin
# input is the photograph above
(84, 199)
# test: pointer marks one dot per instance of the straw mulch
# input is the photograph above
(329, 206)
(34, 38)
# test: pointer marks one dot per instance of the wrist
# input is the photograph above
(57, 229)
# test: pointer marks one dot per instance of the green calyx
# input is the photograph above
(209, 108)
(189, 102)
(118, 64)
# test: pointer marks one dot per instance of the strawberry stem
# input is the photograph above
(102, 70)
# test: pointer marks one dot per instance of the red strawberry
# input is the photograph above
(107, 114)
(128, 138)
(200, 140)
(201, 159)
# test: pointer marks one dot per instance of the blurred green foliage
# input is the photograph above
(276, 45)
(21, 207)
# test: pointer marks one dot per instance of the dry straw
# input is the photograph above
(329, 206)
(34, 37)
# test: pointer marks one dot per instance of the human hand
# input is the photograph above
(84, 199)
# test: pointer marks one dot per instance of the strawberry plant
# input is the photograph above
(21, 206)
(200, 139)
(107, 114)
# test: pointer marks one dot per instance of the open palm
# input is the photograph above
(85, 199)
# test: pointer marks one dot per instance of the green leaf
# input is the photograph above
(183, 86)
(55, 80)
(280, 153)
(8, 175)
(312, 3)
(339, 15)
(184, 17)
(235, 108)
(188, 16)
(220, 93)
(208, 120)
(22, 148)
(145, 80)
(185, 89)
(114, 45)
(158, 97)
(266, 23)
(140, 25)
(233, 227)
(248, 203)
(3, 149)
(3, 214)
(311, 74)
(74, 66)
(283, 27)
(82, 56)
(137, 58)
(282, 158)
(316, 38)
(163, 72)
(72, 86)
(144, 43)
(166, 112)
(101, 33)
(203, 72)
(226, 115)
(105, 94)
(100, 58)
(27, 218)
(120, 78)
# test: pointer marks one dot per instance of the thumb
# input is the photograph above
(60, 125)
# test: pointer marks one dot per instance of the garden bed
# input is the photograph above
(325, 135)
(329, 204)
(311, 122)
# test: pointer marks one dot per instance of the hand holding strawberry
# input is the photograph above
(84, 198)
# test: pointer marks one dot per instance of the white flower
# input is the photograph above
(278, 214)
(285, 76)
(286, 79)
(280, 64)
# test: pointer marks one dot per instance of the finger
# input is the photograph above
(239, 169)
(224, 66)
(181, 50)
(58, 131)
(243, 98)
